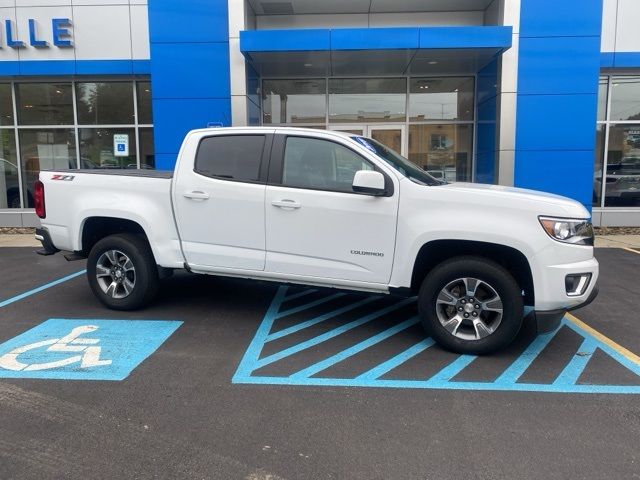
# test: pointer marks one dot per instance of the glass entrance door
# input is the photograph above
(392, 136)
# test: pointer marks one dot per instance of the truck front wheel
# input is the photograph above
(122, 272)
(471, 305)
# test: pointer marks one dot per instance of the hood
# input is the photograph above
(549, 203)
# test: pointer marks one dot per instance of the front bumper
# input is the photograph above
(549, 320)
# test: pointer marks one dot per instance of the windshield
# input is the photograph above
(398, 162)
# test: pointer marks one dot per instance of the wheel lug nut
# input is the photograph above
(466, 315)
(477, 305)
(463, 301)
(475, 314)
(459, 309)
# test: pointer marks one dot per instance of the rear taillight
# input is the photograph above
(38, 199)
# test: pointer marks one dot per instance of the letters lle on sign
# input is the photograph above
(60, 28)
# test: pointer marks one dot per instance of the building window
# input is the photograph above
(103, 103)
(62, 124)
(294, 101)
(430, 119)
(616, 180)
(367, 100)
(443, 150)
(445, 98)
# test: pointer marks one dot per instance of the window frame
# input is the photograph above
(263, 167)
(276, 166)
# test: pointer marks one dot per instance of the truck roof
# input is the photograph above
(279, 129)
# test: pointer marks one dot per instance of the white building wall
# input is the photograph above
(620, 21)
(100, 29)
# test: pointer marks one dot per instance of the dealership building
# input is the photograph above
(541, 94)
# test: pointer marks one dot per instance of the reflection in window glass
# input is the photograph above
(6, 105)
(625, 98)
(602, 98)
(44, 104)
(320, 164)
(367, 100)
(293, 101)
(105, 103)
(44, 149)
(444, 151)
(147, 157)
(623, 166)
(144, 103)
(9, 184)
(598, 165)
(444, 98)
(98, 151)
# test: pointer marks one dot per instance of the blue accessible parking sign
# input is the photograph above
(83, 349)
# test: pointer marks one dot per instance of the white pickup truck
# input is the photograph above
(328, 209)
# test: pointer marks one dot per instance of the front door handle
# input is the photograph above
(197, 195)
(286, 204)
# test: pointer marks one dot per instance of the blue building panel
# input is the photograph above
(342, 39)
(179, 115)
(206, 65)
(627, 60)
(173, 21)
(375, 38)
(557, 122)
(465, 37)
(557, 171)
(189, 70)
(565, 65)
(558, 68)
(564, 18)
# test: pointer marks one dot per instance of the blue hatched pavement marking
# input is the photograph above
(359, 347)
(320, 318)
(309, 305)
(330, 334)
(293, 296)
(565, 382)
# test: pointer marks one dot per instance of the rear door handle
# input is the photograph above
(196, 195)
(286, 204)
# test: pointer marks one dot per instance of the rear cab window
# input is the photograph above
(230, 157)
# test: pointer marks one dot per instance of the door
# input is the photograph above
(316, 225)
(391, 135)
(219, 203)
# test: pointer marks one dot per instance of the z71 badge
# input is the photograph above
(64, 178)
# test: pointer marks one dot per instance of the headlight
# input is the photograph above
(568, 230)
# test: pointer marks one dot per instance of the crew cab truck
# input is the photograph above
(328, 209)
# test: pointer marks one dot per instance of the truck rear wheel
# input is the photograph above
(122, 272)
(471, 305)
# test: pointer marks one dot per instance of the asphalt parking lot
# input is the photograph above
(223, 378)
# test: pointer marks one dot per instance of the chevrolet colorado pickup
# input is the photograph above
(327, 209)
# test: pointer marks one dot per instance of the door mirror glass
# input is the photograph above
(369, 182)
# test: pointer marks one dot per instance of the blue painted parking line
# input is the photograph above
(567, 380)
(83, 349)
(39, 289)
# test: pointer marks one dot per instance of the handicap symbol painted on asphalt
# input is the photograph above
(83, 349)
(69, 343)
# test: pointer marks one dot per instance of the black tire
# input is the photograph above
(493, 276)
(146, 282)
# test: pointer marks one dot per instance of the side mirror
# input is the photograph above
(369, 182)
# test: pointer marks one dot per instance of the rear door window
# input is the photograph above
(230, 157)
